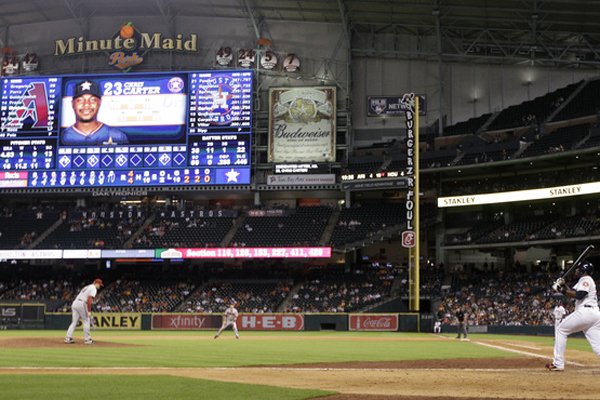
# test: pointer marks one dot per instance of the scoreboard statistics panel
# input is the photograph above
(174, 129)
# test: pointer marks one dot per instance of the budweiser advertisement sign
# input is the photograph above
(178, 322)
(302, 124)
(373, 322)
(271, 322)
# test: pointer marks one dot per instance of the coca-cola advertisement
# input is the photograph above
(373, 322)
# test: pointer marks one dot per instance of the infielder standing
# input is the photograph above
(229, 318)
(586, 316)
(82, 310)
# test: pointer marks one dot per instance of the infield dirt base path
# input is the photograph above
(521, 377)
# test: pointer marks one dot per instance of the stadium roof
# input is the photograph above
(543, 32)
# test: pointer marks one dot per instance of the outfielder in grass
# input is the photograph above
(229, 319)
(82, 310)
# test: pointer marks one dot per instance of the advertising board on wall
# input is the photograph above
(271, 322)
(298, 180)
(302, 124)
(186, 321)
(245, 322)
(391, 106)
(373, 322)
(125, 321)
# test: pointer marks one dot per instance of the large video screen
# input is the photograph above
(145, 129)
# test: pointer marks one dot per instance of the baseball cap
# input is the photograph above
(87, 87)
(98, 281)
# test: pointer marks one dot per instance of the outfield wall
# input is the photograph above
(404, 322)
(34, 316)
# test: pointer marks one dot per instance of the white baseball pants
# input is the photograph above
(586, 320)
(228, 324)
(79, 309)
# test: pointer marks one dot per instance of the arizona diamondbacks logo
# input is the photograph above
(31, 109)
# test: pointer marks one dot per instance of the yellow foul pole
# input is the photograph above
(412, 207)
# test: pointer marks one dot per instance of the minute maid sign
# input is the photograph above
(127, 47)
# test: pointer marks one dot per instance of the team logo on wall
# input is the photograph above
(246, 58)
(268, 60)
(378, 105)
(126, 60)
(408, 239)
(30, 62)
(219, 98)
(291, 63)
(224, 57)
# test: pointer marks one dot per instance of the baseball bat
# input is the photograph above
(578, 261)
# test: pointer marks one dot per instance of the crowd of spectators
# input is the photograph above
(248, 296)
(92, 227)
(493, 298)
(529, 228)
(344, 293)
(494, 184)
(332, 293)
(20, 226)
(486, 296)
(57, 293)
(140, 296)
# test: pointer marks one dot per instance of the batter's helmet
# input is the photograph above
(586, 268)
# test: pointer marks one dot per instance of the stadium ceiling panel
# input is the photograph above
(555, 33)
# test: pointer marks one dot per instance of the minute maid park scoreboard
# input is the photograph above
(181, 129)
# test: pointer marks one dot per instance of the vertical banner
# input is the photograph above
(302, 124)
(410, 236)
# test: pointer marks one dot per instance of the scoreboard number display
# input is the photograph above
(145, 129)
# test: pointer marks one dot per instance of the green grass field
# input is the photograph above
(198, 350)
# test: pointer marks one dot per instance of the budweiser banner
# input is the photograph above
(373, 322)
(271, 322)
(185, 322)
(302, 124)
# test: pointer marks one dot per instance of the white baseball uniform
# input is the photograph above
(586, 318)
(558, 313)
(80, 312)
(231, 315)
(437, 327)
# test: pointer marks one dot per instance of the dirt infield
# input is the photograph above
(519, 377)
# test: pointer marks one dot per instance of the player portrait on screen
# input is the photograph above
(87, 130)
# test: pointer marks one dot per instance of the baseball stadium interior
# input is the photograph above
(505, 115)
